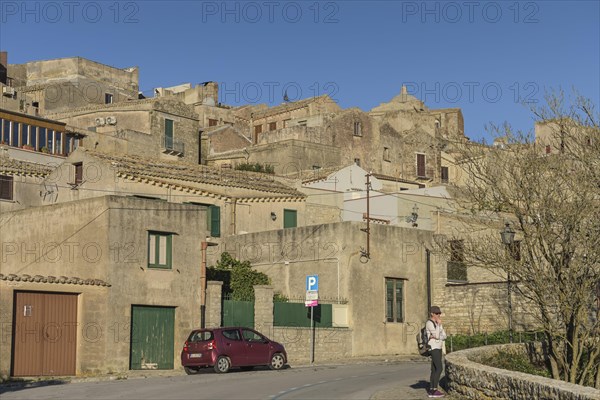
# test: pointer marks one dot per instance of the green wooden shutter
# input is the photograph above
(290, 219)
(214, 215)
(169, 133)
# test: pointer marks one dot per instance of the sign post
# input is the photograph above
(312, 300)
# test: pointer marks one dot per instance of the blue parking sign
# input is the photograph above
(312, 282)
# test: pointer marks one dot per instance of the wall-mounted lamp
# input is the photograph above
(273, 216)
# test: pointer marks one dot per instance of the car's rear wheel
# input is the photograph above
(191, 370)
(277, 361)
(222, 365)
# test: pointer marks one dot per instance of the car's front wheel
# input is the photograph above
(277, 361)
(191, 370)
(222, 365)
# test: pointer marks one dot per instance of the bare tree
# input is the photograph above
(548, 187)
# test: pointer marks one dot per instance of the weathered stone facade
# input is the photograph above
(102, 240)
(65, 83)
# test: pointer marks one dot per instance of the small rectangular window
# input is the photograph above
(302, 123)
(58, 143)
(108, 98)
(394, 300)
(159, 250)
(6, 131)
(169, 127)
(444, 174)
(272, 126)
(286, 122)
(212, 122)
(421, 166)
(78, 173)
(386, 154)
(6, 187)
(290, 218)
(357, 128)
(214, 220)
(456, 268)
(357, 161)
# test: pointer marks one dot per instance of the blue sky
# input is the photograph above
(483, 57)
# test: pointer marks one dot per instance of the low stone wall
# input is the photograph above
(330, 343)
(475, 381)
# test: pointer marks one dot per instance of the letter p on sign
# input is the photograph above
(312, 282)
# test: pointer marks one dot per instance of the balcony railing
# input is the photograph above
(172, 147)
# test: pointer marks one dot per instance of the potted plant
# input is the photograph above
(44, 149)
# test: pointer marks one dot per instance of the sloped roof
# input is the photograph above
(52, 279)
(195, 176)
(294, 105)
(10, 166)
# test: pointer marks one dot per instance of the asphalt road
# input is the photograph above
(403, 380)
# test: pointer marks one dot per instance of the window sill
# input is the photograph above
(8, 201)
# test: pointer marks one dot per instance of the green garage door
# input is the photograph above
(152, 337)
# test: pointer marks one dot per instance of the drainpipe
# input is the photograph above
(203, 246)
(428, 263)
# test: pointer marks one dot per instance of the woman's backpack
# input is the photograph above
(423, 341)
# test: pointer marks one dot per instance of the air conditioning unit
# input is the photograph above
(8, 91)
(111, 120)
(100, 121)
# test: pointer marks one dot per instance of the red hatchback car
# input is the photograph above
(225, 348)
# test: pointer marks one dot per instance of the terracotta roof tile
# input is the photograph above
(52, 279)
(17, 167)
(194, 176)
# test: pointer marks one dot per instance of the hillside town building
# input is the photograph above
(108, 204)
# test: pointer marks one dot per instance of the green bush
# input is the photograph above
(516, 362)
(256, 167)
(237, 276)
(461, 342)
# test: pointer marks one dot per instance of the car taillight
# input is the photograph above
(212, 345)
(185, 346)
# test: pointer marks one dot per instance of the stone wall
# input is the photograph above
(469, 378)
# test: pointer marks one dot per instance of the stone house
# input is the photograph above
(20, 183)
(401, 139)
(383, 298)
(102, 285)
(237, 201)
(161, 128)
(60, 84)
(475, 298)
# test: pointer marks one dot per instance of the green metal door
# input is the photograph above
(238, 313)
(152, 337)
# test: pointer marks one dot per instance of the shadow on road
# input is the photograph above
(15, 386)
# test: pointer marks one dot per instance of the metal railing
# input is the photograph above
(171, 146)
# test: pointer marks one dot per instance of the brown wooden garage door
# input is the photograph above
(45, 334)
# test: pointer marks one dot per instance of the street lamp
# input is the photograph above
(203, 246)
(508, 238)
